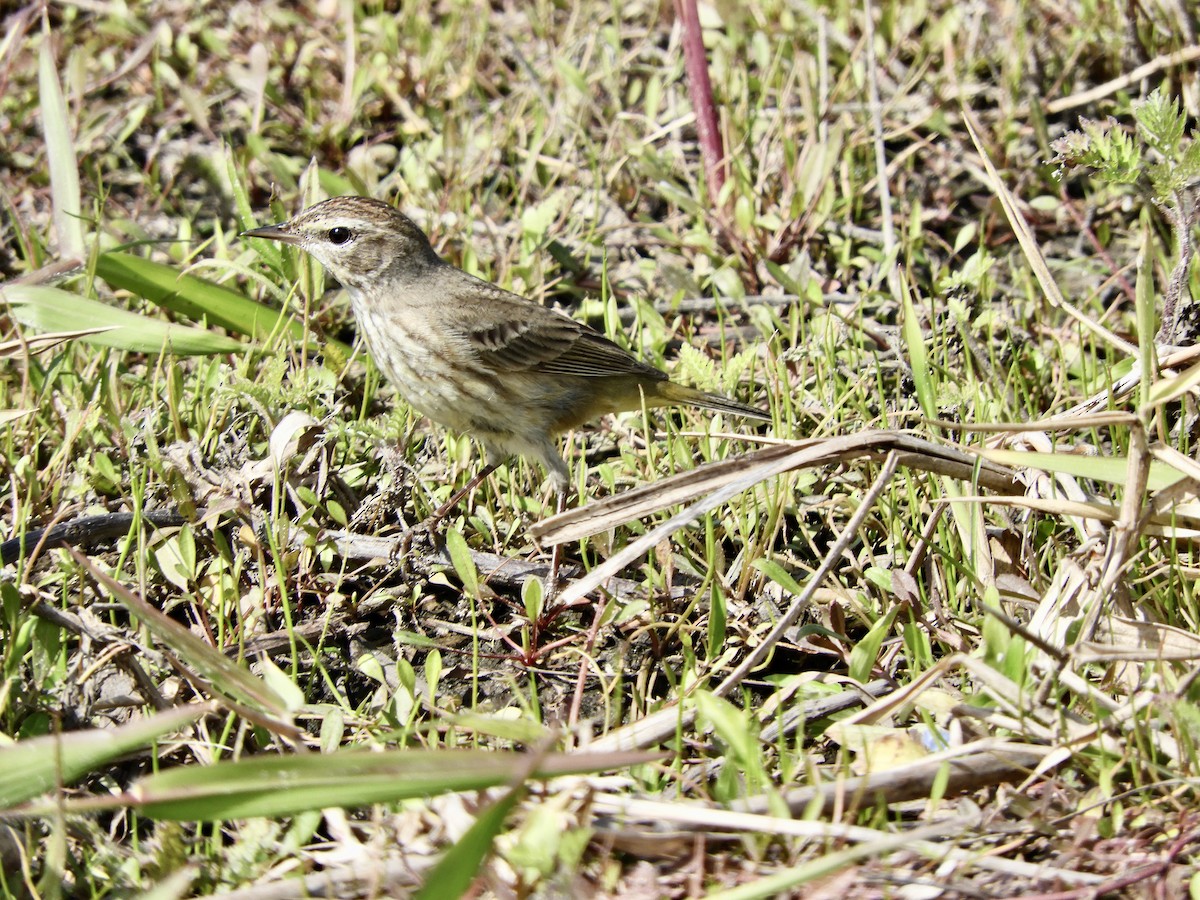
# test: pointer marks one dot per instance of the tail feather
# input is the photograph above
(677, 393)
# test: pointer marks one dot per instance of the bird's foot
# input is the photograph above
(381, 507)
(425, 529)
(419, 538)
(553, 582)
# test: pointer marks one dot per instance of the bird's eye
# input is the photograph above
(339, 235)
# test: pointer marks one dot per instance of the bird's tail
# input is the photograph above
(670, 392)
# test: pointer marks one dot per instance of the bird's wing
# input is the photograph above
(509, 334)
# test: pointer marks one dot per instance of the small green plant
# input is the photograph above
(1158, 158)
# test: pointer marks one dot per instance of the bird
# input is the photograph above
(471, 356)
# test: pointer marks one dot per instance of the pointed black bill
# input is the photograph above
(273, 233)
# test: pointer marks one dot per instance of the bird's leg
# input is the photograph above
(555, 555)
(547, 612)
(380, 507)
(442, 511)
(406, 539)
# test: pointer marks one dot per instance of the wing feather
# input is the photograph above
(518, 335)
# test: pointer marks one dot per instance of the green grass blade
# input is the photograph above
(191, 296)
(918, 353)
(464, 565)
(453, 874)
(33, 767)
(60, 154)
(277, 786)
(269, 251)
(1107, 469)
(866, 651)
(226, 676)
(51, 309)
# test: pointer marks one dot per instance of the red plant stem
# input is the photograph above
(700, 91)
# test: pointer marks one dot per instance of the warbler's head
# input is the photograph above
(356, 239)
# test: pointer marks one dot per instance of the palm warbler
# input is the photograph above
(478, 359)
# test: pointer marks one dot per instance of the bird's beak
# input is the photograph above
(278, 232)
